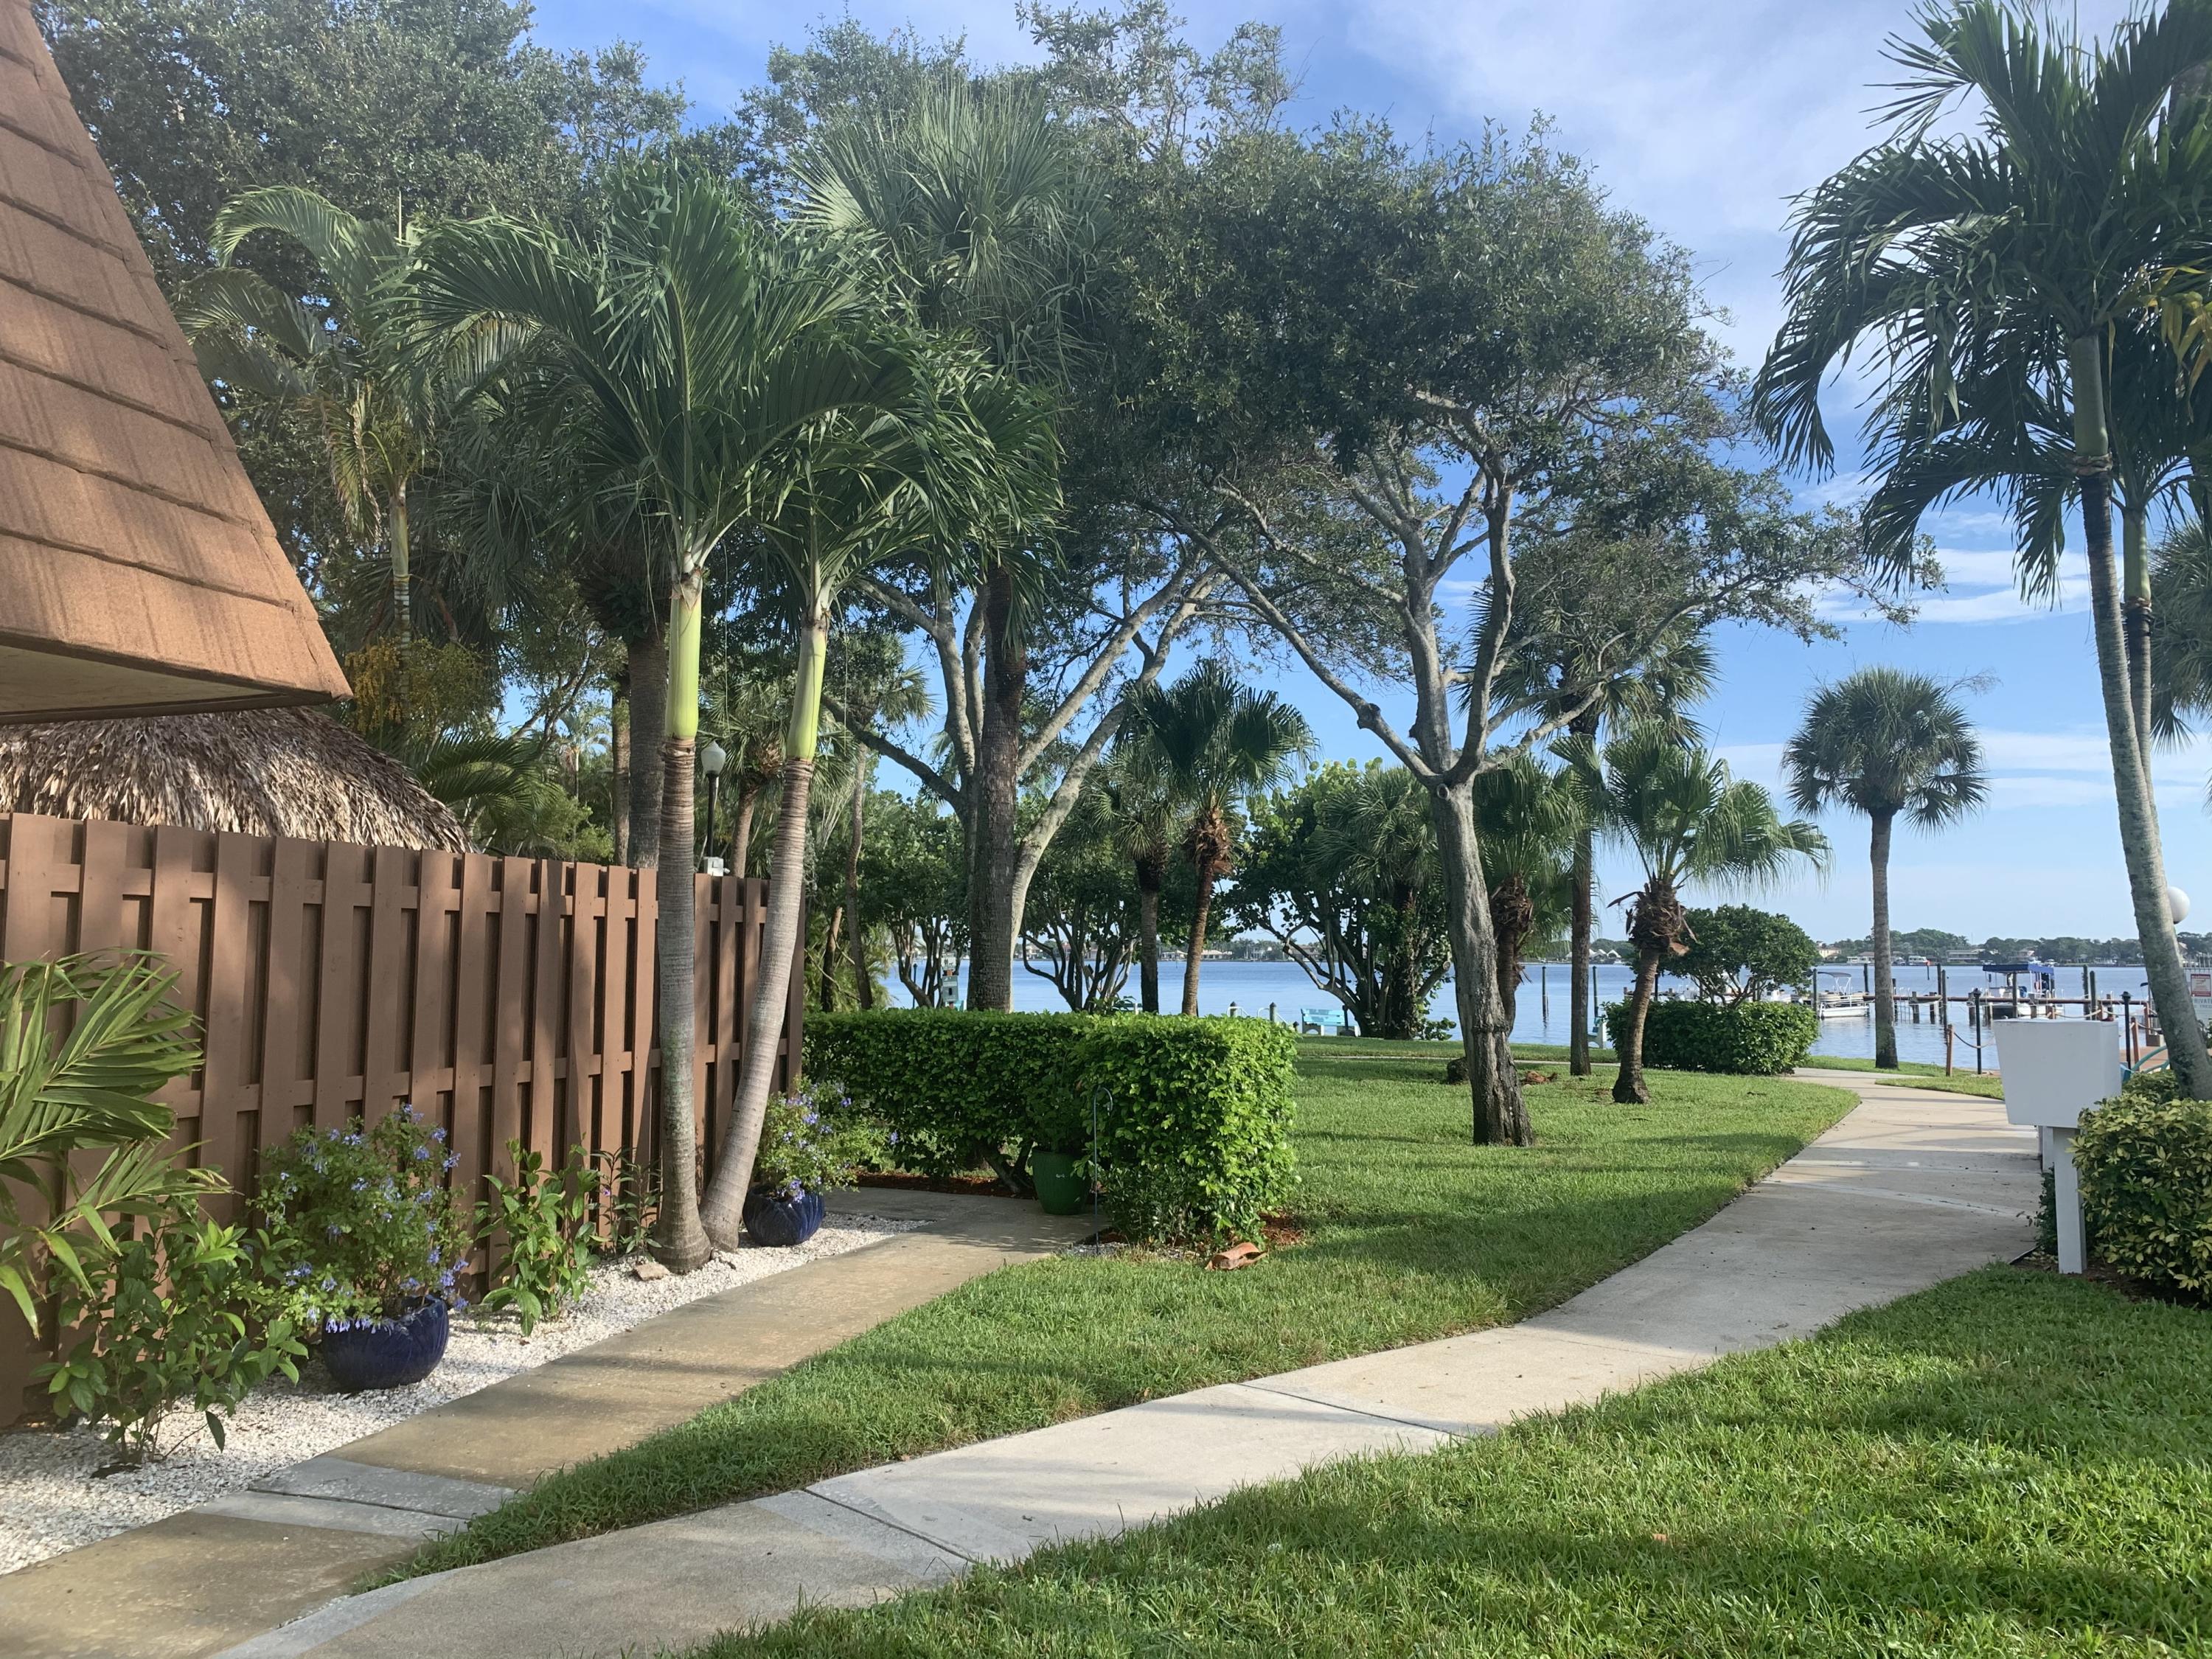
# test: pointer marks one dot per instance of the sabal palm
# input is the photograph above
(963, 459)
(1999, 266)
(1678, 808)
(1213, 740)
(348, 359)
(1889, 744)
(1146, 818)
(1380, 839)
(1533, 824)
(686, 342)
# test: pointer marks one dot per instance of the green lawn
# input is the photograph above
(1409, 1234)
(2008, 1464)
(1916, 1074)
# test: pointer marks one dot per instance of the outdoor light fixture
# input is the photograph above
(712, 759)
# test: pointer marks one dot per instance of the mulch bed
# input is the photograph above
(2133, 1290)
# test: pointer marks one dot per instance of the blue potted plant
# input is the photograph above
(810, 1141)
(365, 1241)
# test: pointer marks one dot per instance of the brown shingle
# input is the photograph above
(131, 543)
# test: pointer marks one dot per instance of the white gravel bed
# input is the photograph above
(52, 1500)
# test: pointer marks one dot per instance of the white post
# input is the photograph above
(2066, 1203)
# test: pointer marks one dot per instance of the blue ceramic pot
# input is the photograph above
(389, 1354)
(772, 1218)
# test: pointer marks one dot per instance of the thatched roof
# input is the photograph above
(138, 573)
(262, 771)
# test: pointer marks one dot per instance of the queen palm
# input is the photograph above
(964, 459)
(1889, 744)
(1686, 819)
(1997, 269)
(1213, 740)
(686, 345)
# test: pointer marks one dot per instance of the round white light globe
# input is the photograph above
(2178, 901)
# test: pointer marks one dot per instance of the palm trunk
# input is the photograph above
(1195, 951)
(863, 985)
(1149, 877)
(1628, 1087)
(2134, 552)
(2138, 820)
(403, 585)
(618, 747)
(992, 908)
(724, 1209)
(1511, 916)
(1884, 988)
(741, 831)
(1580, 924)
(1500, 1115)
(648, 711)
(679, 1239)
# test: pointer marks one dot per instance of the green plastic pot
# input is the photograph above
(1062, 1187)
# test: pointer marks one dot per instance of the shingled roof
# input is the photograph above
(138, 573)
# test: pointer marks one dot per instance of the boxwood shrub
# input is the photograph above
(1196, 1143)
(1753, 1038)
(2146, 1169)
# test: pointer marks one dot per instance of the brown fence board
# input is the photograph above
(505, 998)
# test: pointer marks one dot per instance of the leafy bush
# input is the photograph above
(1751, 1038)
(358, 1227)
(1738, 953)
(2146, 1168)
(176, 1314)
(1196, 1142)
(812, 1139)
(546, 1220)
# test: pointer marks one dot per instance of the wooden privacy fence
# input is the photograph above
(508, 998)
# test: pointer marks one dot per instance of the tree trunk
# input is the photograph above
(832, 935)
(618, 758)
(780, 942)
(1511, 916)
(992, 918)
(1500, 1115)
(2138, 820)
(679, 1239)
(741, 831)
(1149, 878)
(863, 984)
(1628, 1089)
(1579, 922)
(648, 711)
(1885, 985)
(403, 579)
(1195, 951)
(2135, 551)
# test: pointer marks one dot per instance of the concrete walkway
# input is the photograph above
(212, 1576)
(1914, 1187)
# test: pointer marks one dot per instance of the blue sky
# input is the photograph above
(1704, 117)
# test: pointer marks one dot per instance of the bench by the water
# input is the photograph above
(1324, 1019)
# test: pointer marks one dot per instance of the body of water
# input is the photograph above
(1541, 1012)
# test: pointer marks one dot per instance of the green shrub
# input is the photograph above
(1196, 1143)
(2146, 1168)
(546, 1221)
(1753, 1039)
(812, 1139)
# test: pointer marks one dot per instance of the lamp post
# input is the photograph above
(712, 759)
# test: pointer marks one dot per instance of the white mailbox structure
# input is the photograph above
(2055, 1070)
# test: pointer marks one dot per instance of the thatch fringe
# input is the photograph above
(262, 772)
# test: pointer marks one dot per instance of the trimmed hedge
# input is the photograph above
(1754, 1039)
(1194, 1145)
(2146, 1168)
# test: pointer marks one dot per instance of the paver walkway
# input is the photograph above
(213, 1576)
(1911, 1188)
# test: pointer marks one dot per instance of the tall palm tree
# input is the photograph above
(687, 342)
(1534, 832)
(348, 359)
(1889, 744)
(1214, 741)
(1379, 836)
(2001, 267)
(1561, 653)
(1145, 820)
(981, 214)
(965, 460)
(1686, 819)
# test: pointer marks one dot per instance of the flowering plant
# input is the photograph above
(814, 1138)
(358, 1227)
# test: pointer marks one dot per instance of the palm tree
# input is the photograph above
(1145, 820)
(1535, 833)
(1995, 271)
(349, 360)
(1889, 744)
(687, 343)
(1213, 740)
(965, 460)
(1560, 655)
(1379, 836)
(1687, 820)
